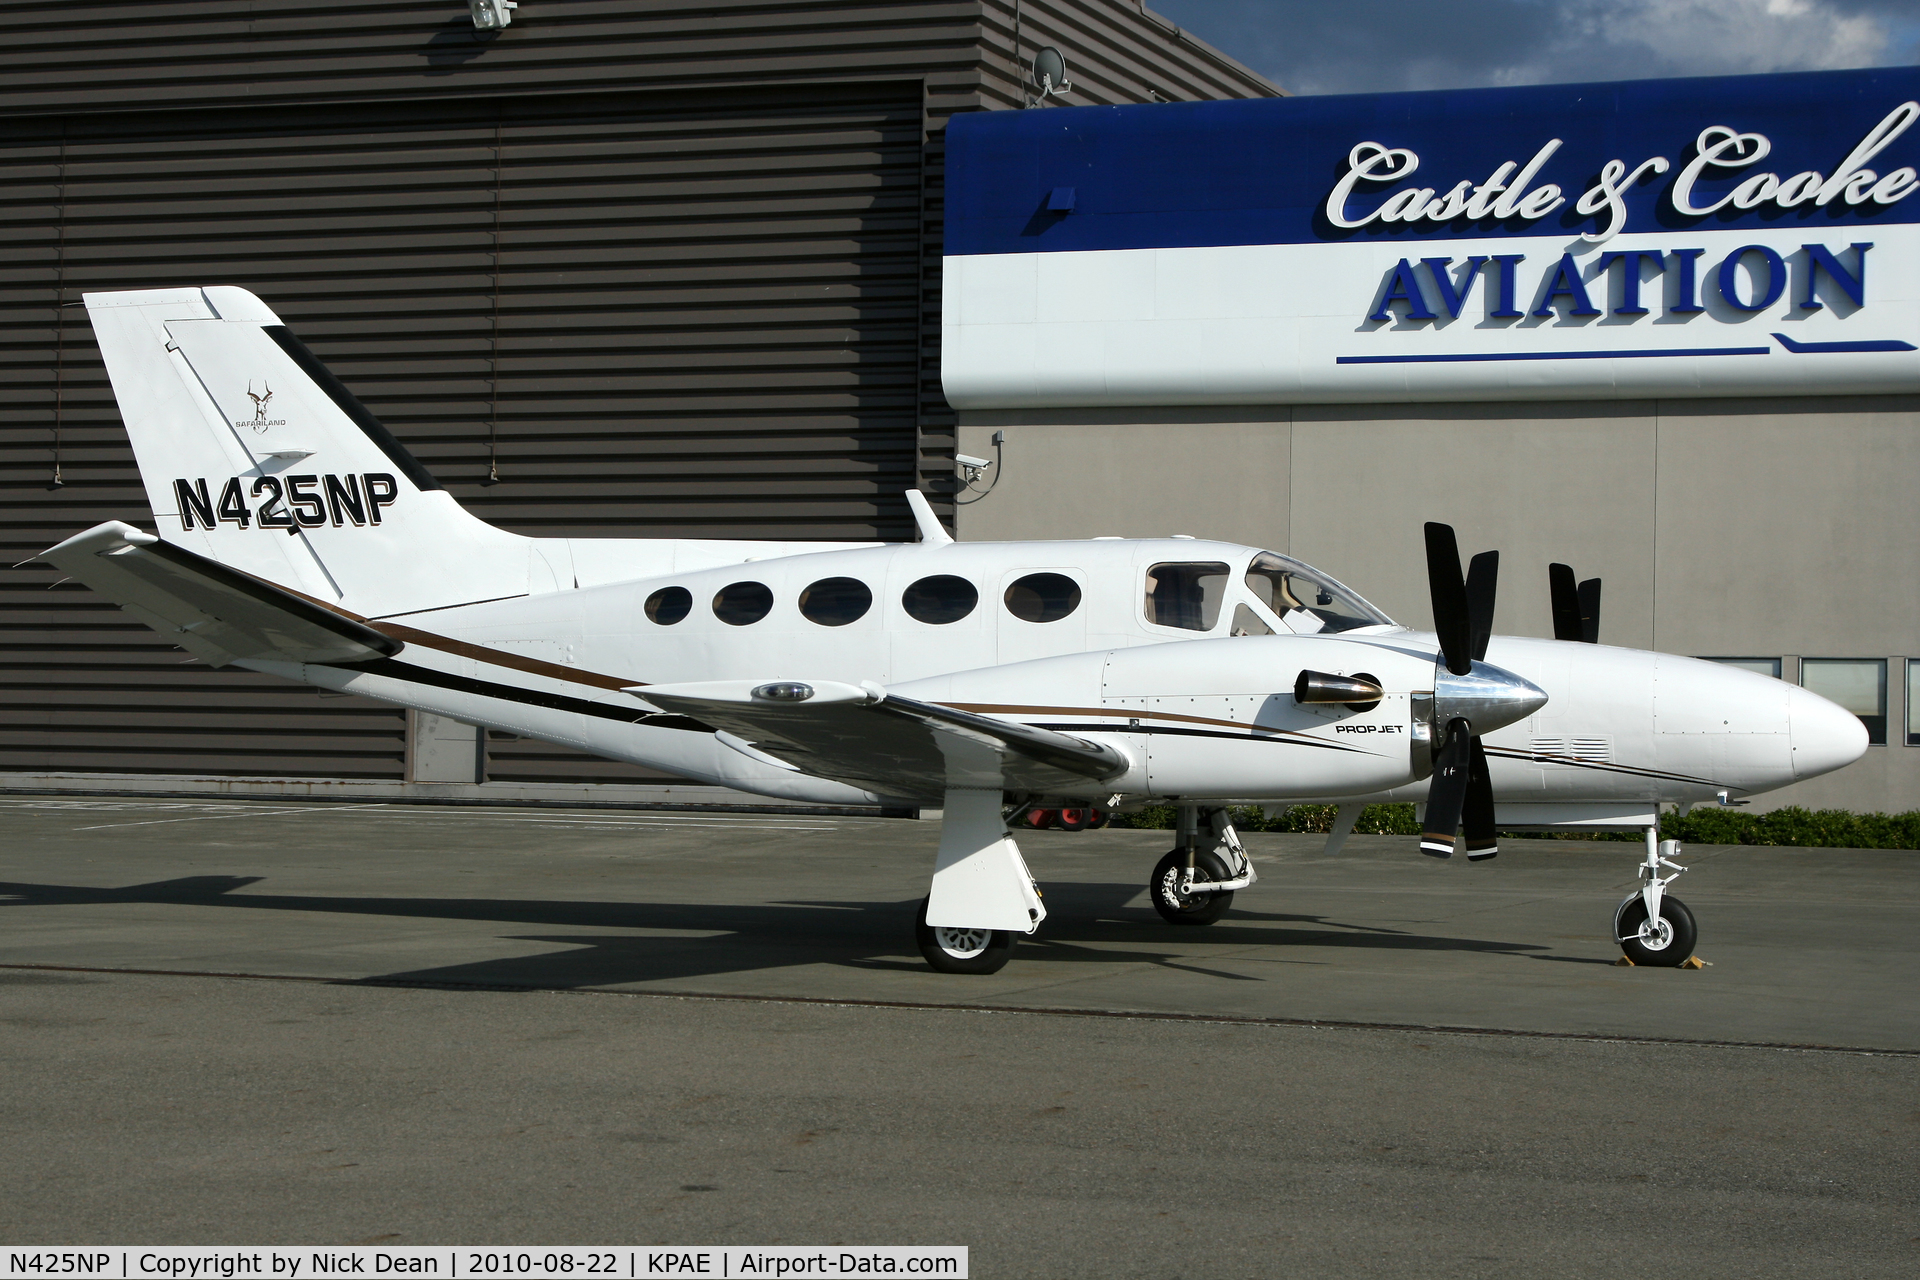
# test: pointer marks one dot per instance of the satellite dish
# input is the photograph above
(1050, 72)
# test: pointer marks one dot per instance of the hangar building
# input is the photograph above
(623, 268)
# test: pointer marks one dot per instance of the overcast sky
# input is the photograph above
(1366, 46)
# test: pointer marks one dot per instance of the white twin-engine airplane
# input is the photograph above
(302, 540)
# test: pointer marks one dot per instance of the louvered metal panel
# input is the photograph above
(640, 314)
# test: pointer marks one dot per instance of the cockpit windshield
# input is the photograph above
(1306, 600)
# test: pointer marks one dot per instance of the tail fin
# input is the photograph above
(256, 456)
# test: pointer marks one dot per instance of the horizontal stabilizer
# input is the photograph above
(866, 737)
(213, 612)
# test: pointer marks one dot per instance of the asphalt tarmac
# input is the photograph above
(590, 1027)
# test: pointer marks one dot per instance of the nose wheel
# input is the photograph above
(1653, 927)
(1663, 941)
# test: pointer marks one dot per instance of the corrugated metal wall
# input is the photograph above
(676, 304)
(643, 313)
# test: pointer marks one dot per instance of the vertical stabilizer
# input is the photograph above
(256, 456)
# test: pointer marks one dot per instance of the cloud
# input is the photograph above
(1367, 46)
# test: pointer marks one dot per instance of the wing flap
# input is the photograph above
(869, 738)
(215, 613)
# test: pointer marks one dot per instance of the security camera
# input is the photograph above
(491, 15)
(970, 467)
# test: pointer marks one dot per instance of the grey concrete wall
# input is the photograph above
(1782, 528)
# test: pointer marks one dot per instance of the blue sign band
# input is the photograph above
(1268, 171)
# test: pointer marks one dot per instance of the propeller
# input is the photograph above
(1461, 792)
(1576, 609)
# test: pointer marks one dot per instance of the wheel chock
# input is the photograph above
(1695, 962)
(1623, 963)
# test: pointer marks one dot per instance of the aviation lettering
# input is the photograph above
(298, 502)
(1565, 279)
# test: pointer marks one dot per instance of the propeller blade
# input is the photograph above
(1477, 816)
(1566, 602)
(1451, 621)
(1590, 611)
(1481, 576)
(1447, 793)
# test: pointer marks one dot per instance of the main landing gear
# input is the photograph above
(1195, 882)
(962, 949)
(983, 895)
(1652, 926)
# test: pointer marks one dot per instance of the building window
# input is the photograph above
(1043, 597)
(1913, 697)
(1187, 596)
(1765, 666)
(1858, 684)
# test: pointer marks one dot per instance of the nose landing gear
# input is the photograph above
(1653, 927)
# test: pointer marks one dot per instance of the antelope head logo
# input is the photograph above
(260, 404)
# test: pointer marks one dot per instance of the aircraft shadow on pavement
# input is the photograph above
(1088, 923)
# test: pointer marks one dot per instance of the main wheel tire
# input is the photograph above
(1190, 908)
(1097, 818)
(962, 950)
(1072, 820)
(1668, 943)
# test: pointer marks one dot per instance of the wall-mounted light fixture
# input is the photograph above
(491, 15)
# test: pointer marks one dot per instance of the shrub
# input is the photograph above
(1711, 826)
(1794, 826)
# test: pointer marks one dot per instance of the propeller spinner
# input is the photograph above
(1469, 698)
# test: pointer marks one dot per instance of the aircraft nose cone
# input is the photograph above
(1825, 736)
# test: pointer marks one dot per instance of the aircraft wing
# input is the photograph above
(215, 613)
(869, 738)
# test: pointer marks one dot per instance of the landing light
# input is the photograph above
(791, 691)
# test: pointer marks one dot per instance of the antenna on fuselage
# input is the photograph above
(932, 532)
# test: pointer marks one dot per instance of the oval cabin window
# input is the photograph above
(1043, 597)
(668, 605)
(834, 602)
(940, 599)
(741, 603)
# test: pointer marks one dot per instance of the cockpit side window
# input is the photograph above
(1248, 623)
(1187, 596)
(1309, 602)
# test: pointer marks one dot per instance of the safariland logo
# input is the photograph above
(259, 421)
(292, 503)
